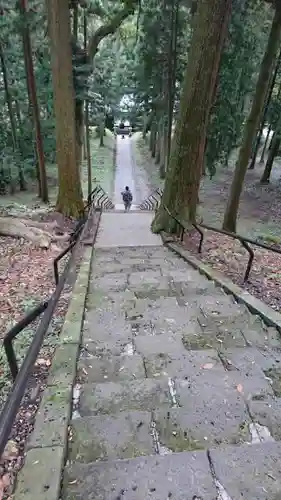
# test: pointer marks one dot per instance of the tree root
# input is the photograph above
(40, 233)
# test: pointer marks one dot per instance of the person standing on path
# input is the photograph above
(127, 198)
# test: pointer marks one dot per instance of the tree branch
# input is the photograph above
(110, 28)
(97, 9)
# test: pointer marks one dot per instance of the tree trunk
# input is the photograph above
(75, 22)
(187, 151)
(79, 127)
(276, 139)
(172, 62)
(162, 166)
(8, 99)
(31, 84)
(152, 137)
(86, 135)
(84, 140)
(22, 183)
(101, 130)
(263, 122)
(158, 145)
(269, 129)
(265, 179)
(265, 145)
(70, 199)
(230, 216)
(88, 146)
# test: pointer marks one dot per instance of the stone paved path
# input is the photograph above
(131, 229)
(124, 174)
(178, 386)
(128, 173)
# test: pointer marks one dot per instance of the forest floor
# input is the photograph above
(26, 278)
(259, 218)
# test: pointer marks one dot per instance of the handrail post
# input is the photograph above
(201, 236)
(11, 358)
(250, 261)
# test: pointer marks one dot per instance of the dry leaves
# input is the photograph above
(228, 257)
(11, 451)
(208, 366)
(4, 484)
(26, 277)
(43, 362)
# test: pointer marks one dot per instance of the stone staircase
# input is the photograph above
(178, 388)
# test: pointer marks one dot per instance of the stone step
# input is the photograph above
(176, 477)
(199, 386)
(114, 397)
(124, 435)
(235, 472)
(96, 369)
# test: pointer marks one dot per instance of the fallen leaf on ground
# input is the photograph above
(4, 483)
(11, 450)
(239, 388)
(43, 362)
(208, 366)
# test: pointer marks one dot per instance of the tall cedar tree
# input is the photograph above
(253, 122)
(187, 153)
(70, 200)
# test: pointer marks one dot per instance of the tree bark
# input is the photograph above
(158, 145)
(70, 199)
(79, 127)
(86, 134)
(172, 67)
(75, 22)
(153, 136)
(263, 122)
(188, 145)
(101, 131)
(22, 183)
(31, 84)
(88, 149)
(265, 145)
(162, 166)
(276, 139)
(231, 212)
(265, 179)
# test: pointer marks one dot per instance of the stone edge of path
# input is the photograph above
(40, 476)
(255, 306)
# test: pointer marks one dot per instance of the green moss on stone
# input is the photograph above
(275, 375)
(182, 441)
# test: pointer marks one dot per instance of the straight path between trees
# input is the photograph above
(176, 390)
(177, 387)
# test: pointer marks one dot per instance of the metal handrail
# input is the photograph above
(103, 201)
(8, 340)
(151, 202)
(245, 242)
(20, 376)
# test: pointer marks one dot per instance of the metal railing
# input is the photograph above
(245, 242)
(100, 199)
(152, 202)
(20, 375)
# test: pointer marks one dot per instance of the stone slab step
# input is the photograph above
(114, 397)
(125, 435)
(110, 369)
(177, 477)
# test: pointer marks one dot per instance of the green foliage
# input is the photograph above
(240, 60)
(18, 161)
(133, 63)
